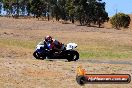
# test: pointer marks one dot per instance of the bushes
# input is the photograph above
(120, 20)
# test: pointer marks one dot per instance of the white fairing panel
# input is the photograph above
(39, 45)
(71, 46)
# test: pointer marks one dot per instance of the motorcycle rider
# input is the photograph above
(53, 44)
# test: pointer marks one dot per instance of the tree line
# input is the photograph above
(87, 12)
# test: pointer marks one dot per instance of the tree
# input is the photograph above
(62, 9)
(80, 11)
(7, 5)
(13, 7)
(100, 14)
(70, 9)
(37, 7)
(120, 20)
(87, 12)
(0, 8)
(90, 11)
(24, 7)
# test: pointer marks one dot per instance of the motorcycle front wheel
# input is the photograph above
(72, 55)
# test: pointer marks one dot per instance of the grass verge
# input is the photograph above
(104, 55)
(94, 51)
(18, 43)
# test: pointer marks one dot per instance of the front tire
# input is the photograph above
(72, 55)
(75, 56)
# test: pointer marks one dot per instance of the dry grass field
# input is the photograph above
(99, 48)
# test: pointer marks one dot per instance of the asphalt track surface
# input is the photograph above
(109, 62)
(97, 61)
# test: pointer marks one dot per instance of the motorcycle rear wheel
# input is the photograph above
(37, 56)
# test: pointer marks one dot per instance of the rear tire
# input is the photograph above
(37, 56)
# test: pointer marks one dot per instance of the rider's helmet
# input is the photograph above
(48, 38)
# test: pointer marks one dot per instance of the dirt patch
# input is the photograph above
(57, 74)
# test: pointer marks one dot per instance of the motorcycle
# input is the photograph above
(68, 52)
